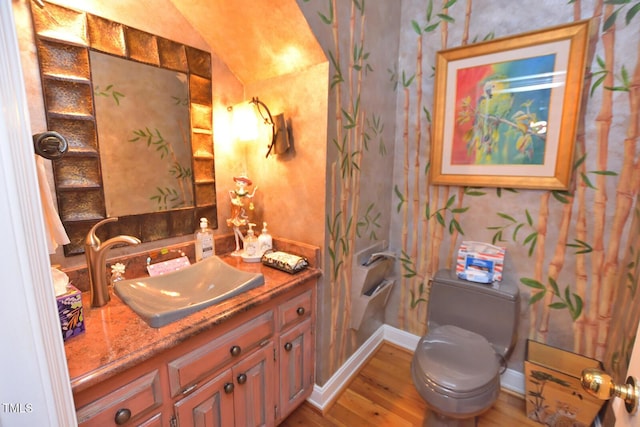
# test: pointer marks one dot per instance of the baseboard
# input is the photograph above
(322, 397)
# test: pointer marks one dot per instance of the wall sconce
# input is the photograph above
(245, 126)
(244, 123)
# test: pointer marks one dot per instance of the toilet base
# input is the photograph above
(434, 419)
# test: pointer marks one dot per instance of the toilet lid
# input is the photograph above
(457, 359)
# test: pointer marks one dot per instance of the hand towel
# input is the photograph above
(56, 234)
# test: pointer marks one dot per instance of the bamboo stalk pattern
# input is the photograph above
(578, 250)
(354, 128)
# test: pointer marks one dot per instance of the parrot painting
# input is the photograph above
(502, 112)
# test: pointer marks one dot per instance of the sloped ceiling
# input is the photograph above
(257, 39)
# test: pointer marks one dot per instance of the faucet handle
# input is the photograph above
(92, 239)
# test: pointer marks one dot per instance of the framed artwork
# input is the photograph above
(506, 111)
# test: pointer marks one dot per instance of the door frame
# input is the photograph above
(36, 366)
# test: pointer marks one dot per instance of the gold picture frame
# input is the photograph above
(506, 111)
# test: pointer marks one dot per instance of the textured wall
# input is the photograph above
(361, 42)
(572, 251)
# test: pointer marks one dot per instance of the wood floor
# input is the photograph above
(382, 394)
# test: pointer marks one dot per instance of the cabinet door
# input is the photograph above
(253, 395)
(296, 367)
(210, 405)
(153, 421)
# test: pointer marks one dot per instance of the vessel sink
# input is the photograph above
(160, 300)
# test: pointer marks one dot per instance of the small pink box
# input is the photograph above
(70, 313)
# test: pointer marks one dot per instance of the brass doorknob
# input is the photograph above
(601, 385)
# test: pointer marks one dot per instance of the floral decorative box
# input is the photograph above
(555, 396)
(70, 313)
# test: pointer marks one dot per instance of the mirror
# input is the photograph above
(129, 133)
(107, 171)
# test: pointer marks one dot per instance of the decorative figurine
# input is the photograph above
(239, 215)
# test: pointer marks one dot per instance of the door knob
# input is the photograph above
(601, 385)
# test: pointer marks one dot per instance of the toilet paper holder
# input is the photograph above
(371, 284)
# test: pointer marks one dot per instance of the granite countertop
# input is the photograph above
(116, 338)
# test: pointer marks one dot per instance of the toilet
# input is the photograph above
(472, 329)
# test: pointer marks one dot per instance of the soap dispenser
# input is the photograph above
(265, 242)
(205, 245)
(251, 251)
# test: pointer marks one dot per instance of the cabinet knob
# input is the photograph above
(122, 416)
(235, 350)
(300, 311)
(242, 378)
(288, 346)
(228, 388)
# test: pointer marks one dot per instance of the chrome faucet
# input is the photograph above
(96, 254)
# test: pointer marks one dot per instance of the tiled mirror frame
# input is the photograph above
(64, 38)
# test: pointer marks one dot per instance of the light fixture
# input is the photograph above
(269, 121)
(244, 123)
(245, 127)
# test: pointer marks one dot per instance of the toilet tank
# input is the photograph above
(490, 310)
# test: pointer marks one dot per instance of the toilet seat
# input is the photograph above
(456, 371)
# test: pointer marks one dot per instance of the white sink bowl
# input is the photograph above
(163, 299)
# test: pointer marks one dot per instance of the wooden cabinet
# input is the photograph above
(251, 370)
(253, 394)
(120, 405)
(220, 351)
(210, 405)
(295, 349)
(296, 369)
(242, 395)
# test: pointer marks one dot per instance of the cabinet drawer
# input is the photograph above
(295, 310)
(126, 402)
(186, 370)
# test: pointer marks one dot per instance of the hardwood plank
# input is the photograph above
(408, 409)
(382, 394)
(306, 416)
(369, 411)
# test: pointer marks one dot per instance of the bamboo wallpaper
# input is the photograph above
(574, 253)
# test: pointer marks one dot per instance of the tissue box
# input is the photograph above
(480, 262)
(70, 313)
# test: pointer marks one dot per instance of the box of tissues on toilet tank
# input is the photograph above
(480, 262)
(69, 300)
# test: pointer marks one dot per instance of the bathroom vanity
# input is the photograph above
(246, 361)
